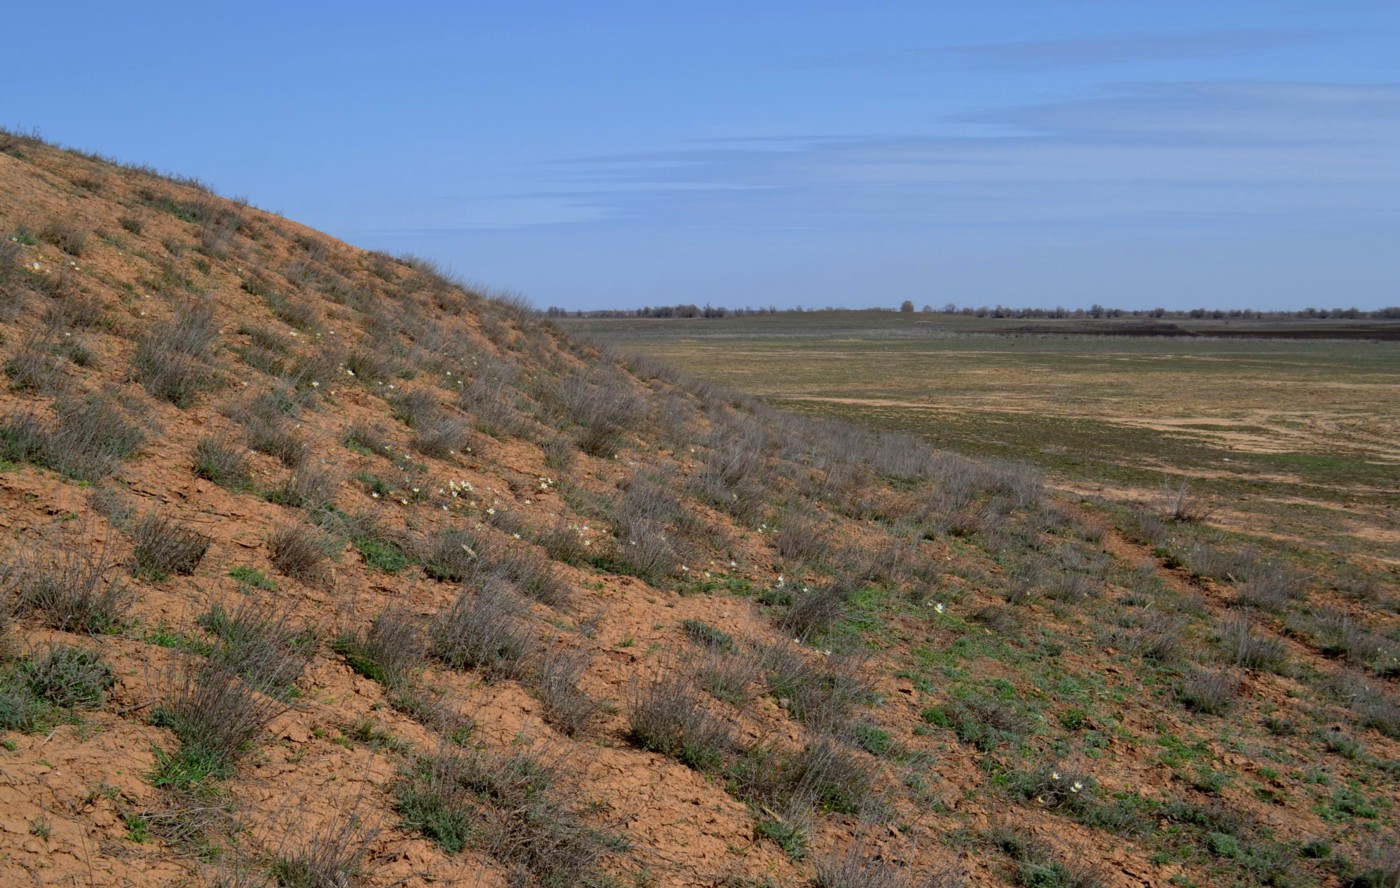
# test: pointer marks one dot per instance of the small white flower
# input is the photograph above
(1076, 787)
(938, 608)
(1054, 775)
(315, 385)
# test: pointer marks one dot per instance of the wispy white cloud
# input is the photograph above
(1271, 153)
(1081, 52)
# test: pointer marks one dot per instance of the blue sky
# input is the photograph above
(1225, 154)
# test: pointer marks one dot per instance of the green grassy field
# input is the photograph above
(1292, 438)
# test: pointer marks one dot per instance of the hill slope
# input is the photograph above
(320, 568)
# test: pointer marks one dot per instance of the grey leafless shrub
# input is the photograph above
(308, 486)
(729, 676)
(1184, 504)
(512, 807)
(1158, 637)
(224, 463)
(215, 716)
(567, 707)
(484, 630)
(1249, 650)
(333, 857)
(667, 715)
(1210, 691)
(823, 775)
(86, 440)
(301, 552)
(440, 435)
(165, 545)
(823, 697)
(801, 538)
(389, 651)
(68, 676)
(39, 366)
(532, 573)
(72, 588)
(65, 235)
(1270, 587)
(172, 359)
(451, 556)
(266, 647)
(814, 612)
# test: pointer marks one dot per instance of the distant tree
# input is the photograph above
(907, 306)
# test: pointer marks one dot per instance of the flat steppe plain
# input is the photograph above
(1291, 429)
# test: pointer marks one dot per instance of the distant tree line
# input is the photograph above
(1000, 311)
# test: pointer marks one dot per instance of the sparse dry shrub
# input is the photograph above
(814, 612)
(493, 399)
(801, 538)
(71, 308)
(1023, 583)
(65, 235)
(508, 806)
(35, 367)
(560, 453)
(441, 435)
(564, 541)
(389, 651)
(371, 365)
(172, 360)
(311, 487)
(484, 630)
(1038, 864)
(1379, 866)
(729, 676)
(415, 406)
(532, 573)
(1249, 650)
(1371, 703)
(1184, 504)
(276, 438)
(216, 717)
(984, 721)
(1270, 587)
(604, 407)
(668, 716)
(1206, 560)
(644, 518)
(451, 556)
(67, 676)
(217, 460)
(85, 442)
(1069, 587)
(1209, 691)
(732, 477)
(823, 775)
(301, 552)
(164, 545)
(1147, 528)
(216, 234)
(368, 438)
(567, 707)
(855, 870)
(262, 646)
(73, 588)
(266, 339)
(294, 311)
(1158, 637)
(333, 857)
(823, 699)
